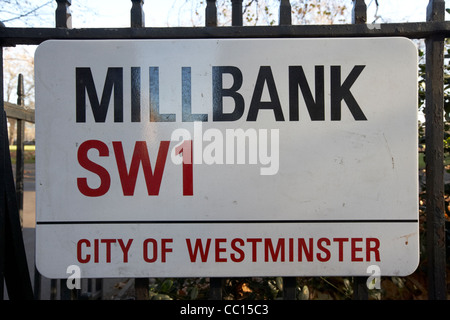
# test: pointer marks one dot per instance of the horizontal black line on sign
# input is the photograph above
(227, 221)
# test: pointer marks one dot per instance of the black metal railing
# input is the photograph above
(434, 31)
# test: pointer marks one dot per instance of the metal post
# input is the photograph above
(66, 293)
(215, 284)
(20, 150)
(63, 16)
(434, 136)
(2, 188)
(236, 13)
(285, 13)
(289, 283)
(211, 13)
(359, 16)
(141, 288)
(360, 290)
(359, 12)
(289, 288)
(53, 289)
(215, 288)
(137, 14)
(17, 276)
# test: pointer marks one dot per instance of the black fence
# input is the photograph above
(13, 270)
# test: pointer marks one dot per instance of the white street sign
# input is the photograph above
(255, 157)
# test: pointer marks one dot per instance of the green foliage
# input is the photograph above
(256, 288)
(422, 82)
(417, 281)
(178, 289)
(422, 126)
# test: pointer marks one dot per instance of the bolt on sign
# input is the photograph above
(255, 157)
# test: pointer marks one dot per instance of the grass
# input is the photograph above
(28, 157)
(422, 163)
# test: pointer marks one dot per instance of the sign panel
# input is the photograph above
(256, 157)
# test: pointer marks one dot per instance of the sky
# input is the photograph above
(160, 13)
(163, 13)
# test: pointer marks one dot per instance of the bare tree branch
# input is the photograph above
(27, 13)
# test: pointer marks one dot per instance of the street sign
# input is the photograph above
(255, 157)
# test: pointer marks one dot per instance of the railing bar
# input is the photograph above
(359, 12)
(360, 289)
(211, 13)
(434, 136)
(66, 293)
(53, 289)
(20, 149)
(289, 283)
(412, 30)
(2, 185)
(141, 287)
(359, 16)
(285, 13)
(236, 13)
(137, 15)
(289, 288)
(18, 112)
(63, 17)
(215, 288)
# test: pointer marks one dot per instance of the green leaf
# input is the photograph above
(166, 285)
(160, 296)
(194, 293)
(279, 282)
(304, 293)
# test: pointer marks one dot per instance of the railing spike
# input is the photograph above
(236, 13)
(359, 12)
(63, 16)
(211, 13)
(436, 10)
(137, 14)
(285, 13)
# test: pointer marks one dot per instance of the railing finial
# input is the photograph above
(20, 90)
(137, 14)
(63, 16)
(236, 13)
(285, 13)
(211, 13)
(359, 12)
(436, 10)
